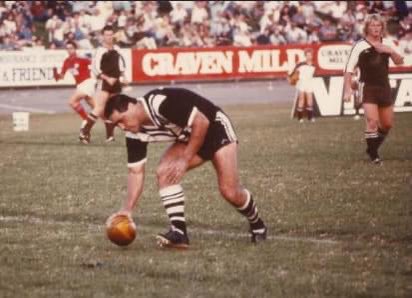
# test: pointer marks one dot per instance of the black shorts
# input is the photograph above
(113, 89)
(379, 95)
(219, 134)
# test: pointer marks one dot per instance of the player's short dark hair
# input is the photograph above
(70, 42)
(118, 102)
(107, 28)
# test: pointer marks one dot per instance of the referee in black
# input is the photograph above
(371, 55)
(108, 67)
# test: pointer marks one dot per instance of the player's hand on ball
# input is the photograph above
(119, 213)
(120, 228)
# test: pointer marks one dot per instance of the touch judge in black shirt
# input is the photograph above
(371, 56)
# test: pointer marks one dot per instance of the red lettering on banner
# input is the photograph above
(187, 63)
(226, 63)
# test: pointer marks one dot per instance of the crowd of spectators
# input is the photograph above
(153, 24)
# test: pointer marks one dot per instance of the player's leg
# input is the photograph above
(75, 104)
(386, 118)
(88, 87)
(101, 103)
(371, 131)
(98, 110)
(226, 166)
(110, 90)
(301, 105)
(173, 198)
(90, 101)
(309, 105)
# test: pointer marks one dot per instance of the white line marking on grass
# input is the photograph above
(38, 220)
(26, 109)
(269, 237)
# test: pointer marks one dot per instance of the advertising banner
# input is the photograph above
(35, 67)
(328, 91)
(228, 63)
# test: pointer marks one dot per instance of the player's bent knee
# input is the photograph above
(161, 175)
(372, 124)
(74, 101)
(229, 193)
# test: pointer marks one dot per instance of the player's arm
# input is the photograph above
(396, 57)
(97, 70)
(348, 72)
(58, 76)
(347, 86)
(184, 113)
(135, 181)
(136, 156)
(199, 126)
(122, 67)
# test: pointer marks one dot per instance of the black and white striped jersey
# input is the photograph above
(373, 66)
(108, 62)
(172, 111)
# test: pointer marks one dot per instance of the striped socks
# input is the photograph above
(381, 136)
(92, 117)
(250, 211)
(309, 112)
(372, 142)
(90, 121)
(173, 200)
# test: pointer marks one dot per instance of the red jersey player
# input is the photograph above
(85, 83)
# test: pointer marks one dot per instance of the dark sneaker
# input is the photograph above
(172, 239)
(258, 235)
(374, 157)
(258, 231)
(84, 137)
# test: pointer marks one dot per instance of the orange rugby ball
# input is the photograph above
(121, 230)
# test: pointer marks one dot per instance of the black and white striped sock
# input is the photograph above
(309, 112)
(92, 117)
(250, 211)
(381, 136)
(173, 200)
(372, 142)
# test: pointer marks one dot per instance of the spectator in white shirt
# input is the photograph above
(10, 24)
(199, 13)
(178, 14)
(295, 35)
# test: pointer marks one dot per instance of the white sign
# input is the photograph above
(21, 121)
(328, 95)
(333, 57)
(35, 68)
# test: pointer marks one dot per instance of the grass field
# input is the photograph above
(339, 226)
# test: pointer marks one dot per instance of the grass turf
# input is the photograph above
(338, 225)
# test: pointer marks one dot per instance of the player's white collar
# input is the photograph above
(146, 108)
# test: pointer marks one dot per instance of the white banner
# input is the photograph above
(328, 93)
(35, 67)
